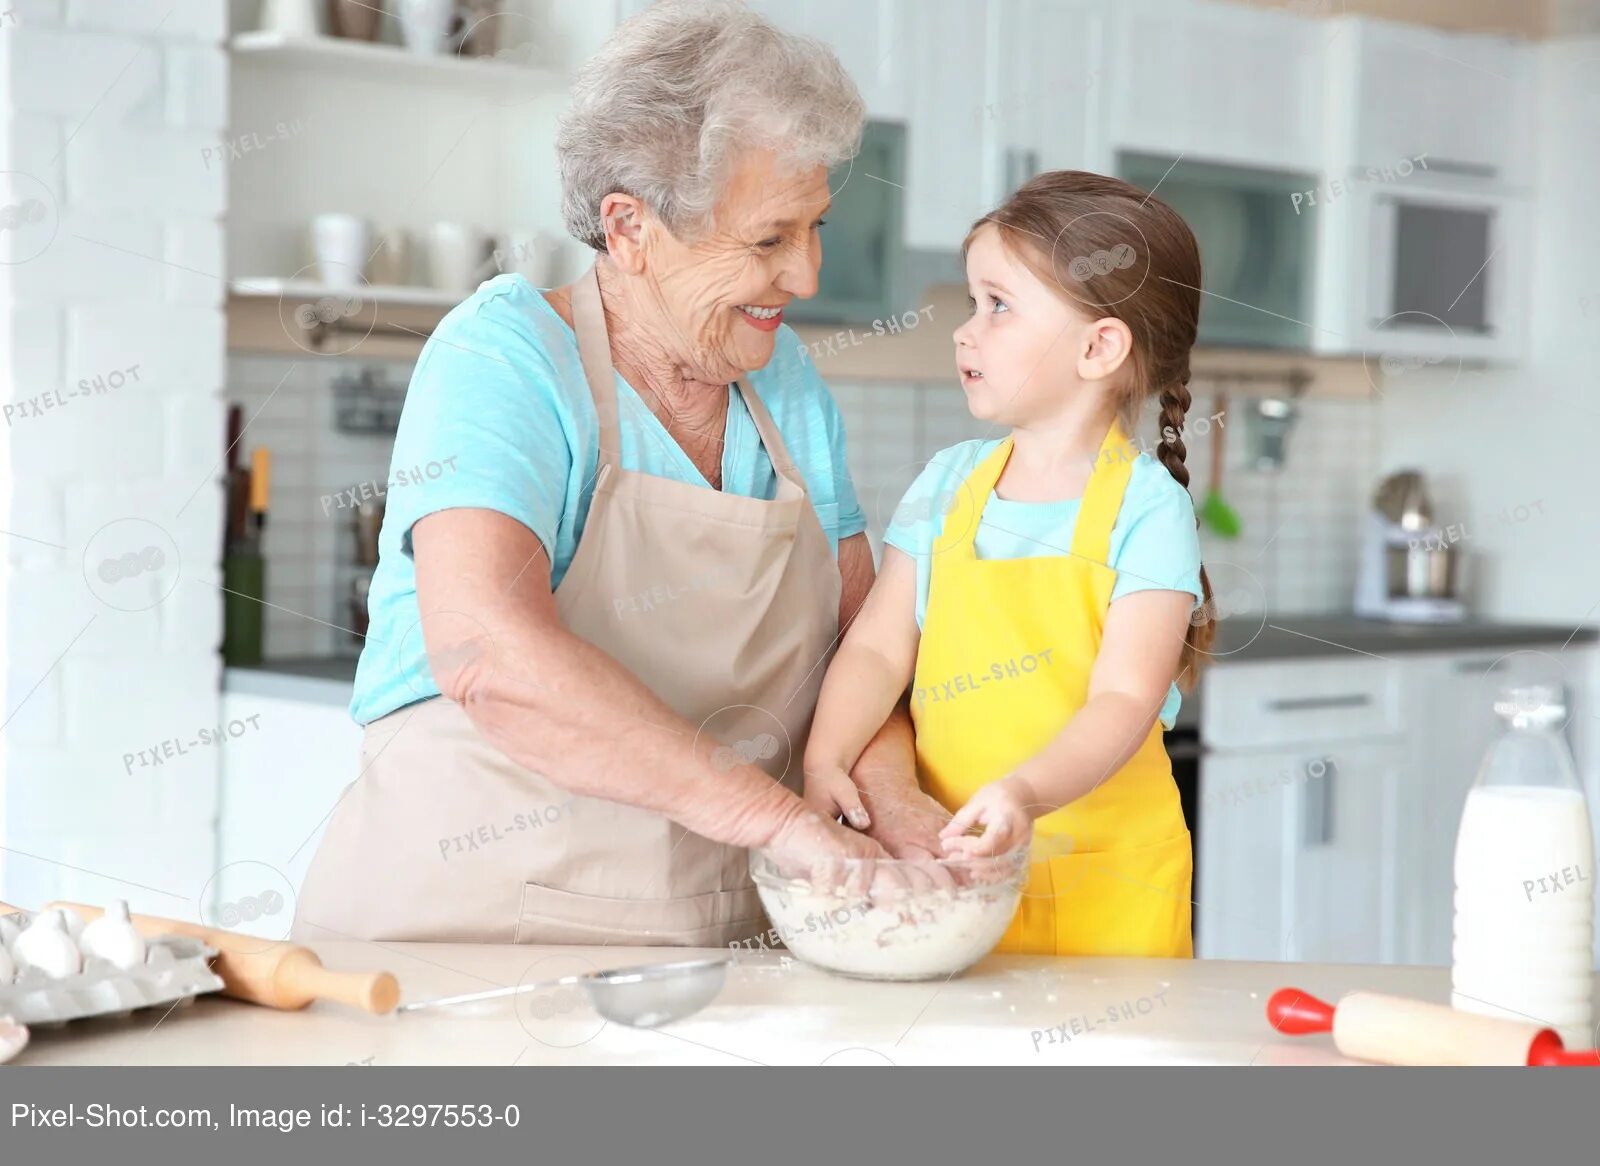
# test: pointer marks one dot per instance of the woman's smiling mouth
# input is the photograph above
(765, 318)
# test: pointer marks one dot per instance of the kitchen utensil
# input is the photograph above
(174, 971)
(367, 518)
(292, 17)
(1267, 427)
(275, 974)
(1395, 1031)
(260, 490)
(354, 19)
(890, 919)
(425, 24)
(646, 996)
(457, 253)
(342, 245)
(1215, 511)
(244, 592)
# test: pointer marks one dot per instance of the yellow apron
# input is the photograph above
(1004, 662)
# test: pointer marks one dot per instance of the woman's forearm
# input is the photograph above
(887, 767)
(1094, 744)
(591, 726)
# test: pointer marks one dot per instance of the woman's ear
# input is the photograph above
(624, 219)
(1107, 345)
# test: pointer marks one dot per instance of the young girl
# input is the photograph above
(1042, 594)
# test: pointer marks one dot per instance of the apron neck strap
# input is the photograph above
(594, 349)
(1102, 497)
(1097, 513)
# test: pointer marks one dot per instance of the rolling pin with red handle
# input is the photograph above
(273, 973)
(1396, 1031)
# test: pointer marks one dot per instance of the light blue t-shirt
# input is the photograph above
(1154, 543)
(499, 416)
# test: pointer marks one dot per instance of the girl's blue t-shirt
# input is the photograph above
(1154, 542)
(499, 416)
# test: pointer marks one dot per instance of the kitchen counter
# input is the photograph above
(1287, 636)
(1026, 1010)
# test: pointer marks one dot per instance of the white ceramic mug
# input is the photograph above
(456, 256)
(425, 25)
(342, 244)
(293, 17)
(530, 254)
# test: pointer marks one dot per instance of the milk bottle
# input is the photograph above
(1525, 879)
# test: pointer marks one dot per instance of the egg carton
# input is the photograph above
(176, 969)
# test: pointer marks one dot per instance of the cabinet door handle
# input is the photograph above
(1316, 802)
(1306, 703)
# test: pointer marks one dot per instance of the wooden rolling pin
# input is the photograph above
(1395, 1031)
(274, 973)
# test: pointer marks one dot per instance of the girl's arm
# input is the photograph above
(869, 673)
(1138, 660)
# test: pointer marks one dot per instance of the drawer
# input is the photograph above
(1248, 706)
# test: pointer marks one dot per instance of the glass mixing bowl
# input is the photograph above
(890, 919)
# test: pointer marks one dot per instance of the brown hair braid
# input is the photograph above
(1055, 223)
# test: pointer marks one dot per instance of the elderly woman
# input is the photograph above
(596, 645)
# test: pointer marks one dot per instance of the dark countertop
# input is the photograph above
(1285, 636)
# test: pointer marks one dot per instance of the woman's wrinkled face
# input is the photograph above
(1018, 354)
(724, 293)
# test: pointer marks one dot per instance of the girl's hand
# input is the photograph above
(830, 791)
(1004, 809)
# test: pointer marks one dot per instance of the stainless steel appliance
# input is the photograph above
(1410, 568)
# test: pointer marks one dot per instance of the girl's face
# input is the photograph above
(1026, 354)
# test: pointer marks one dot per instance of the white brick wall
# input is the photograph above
(107, 108)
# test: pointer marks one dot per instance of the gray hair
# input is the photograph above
(677, 93)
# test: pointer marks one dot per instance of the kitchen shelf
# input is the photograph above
(375, 61)
(277, 287)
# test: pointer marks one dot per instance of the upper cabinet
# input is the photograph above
(946, 48)
(1047, 92)
(1220, 83)
(865, 36)
(1457, 102)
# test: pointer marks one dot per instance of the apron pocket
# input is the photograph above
(713, 919)
(1133, 902)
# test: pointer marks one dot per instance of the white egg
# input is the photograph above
(74, 922)
(113, 937)
(47, 946)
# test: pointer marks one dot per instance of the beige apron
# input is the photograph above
(725, 606)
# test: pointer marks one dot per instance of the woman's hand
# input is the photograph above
(907, 821)
(830, 792)
(1004, 809)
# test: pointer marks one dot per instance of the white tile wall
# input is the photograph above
(309, 552)
(1300, 524)
(103, 106)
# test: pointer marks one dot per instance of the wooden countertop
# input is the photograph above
(1030, 1010)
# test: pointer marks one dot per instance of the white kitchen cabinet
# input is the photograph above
(1047, 90)
(1462, 100)
(1298, 853)
(1449, 698)
(1217, 82)
(949, 134)
(279, 788)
